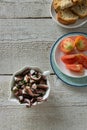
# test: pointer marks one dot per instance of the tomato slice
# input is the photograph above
(69, 59)
(75, 58)
(67, 45)
(82, 59)
(81, 43)
(75, 67)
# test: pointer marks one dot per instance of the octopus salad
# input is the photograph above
(30, 87)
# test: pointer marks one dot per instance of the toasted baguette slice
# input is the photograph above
(66, 17)
(62, 4)
(80, 10)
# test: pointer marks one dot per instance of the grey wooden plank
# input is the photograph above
(43, 118)
(4, 88)
(33, 30)
(24, 9)
(14, 56)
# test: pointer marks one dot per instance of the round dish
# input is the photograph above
(79, 22)
(58, 66)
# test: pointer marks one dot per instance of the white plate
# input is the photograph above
(79, 22)
(57, 57)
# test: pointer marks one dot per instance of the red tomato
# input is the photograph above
(69, 59)
(82, 59)
(81, 43)
(67, 45)
(75, 67)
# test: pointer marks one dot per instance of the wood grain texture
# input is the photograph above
(33, 30)
(17, 55)
(42, 118)
(24, 9)
(27, 34)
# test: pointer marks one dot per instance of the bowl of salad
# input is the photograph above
(30, 86)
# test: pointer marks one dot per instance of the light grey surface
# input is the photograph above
(27, 34)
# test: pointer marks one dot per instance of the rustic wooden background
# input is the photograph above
(27, 33)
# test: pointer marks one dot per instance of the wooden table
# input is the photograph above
(27, 33)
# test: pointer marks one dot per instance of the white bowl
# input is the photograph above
(45, 97)
(77, 24)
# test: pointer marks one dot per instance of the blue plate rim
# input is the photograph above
(59, 70)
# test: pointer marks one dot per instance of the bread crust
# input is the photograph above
(62, 4)
(66, 21)
(77, 1)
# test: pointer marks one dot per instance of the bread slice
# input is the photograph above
(80, 10)
(62, 4)
(66, 17)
